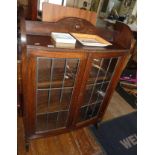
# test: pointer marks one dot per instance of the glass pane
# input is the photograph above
(71, 70)
(52, 119)
(55, 98)
(111, 68)
(58, 70)
(62, 119)
(81, 116)
(88, 112)
(41, 122)
(95, 93)
(94, 71)
(60, 99)
(42, 101)
(44, 72)
(97, 84)
(102, 69)
(55, 101)
(101, 90)
(87, 94)
(66, 96)
(103, 72)
(55, 83)
(55, 73)
(95, 109)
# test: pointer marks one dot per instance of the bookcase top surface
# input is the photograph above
(42, 42)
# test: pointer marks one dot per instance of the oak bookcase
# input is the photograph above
(63, 88)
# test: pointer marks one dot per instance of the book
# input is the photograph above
(64, 40)
(91, 40)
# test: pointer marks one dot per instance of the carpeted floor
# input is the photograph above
(118, 136)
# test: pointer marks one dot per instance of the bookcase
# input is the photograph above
(65, 89)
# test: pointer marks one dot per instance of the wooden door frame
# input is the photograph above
(115, 77)
(30, 106)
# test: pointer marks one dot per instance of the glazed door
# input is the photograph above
(98, 86)
(56, 79)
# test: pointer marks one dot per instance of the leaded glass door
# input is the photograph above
(98, 81)
(55, 86)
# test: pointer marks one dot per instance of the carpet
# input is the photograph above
(118, 136)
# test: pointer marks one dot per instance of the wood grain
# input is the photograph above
(86, 56)
(70, 143)
(53, 13)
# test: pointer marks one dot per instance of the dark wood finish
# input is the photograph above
(72, 142)
(75, 142)
(125, 38)
(68, 24)
(33, 32)
(19, 89)
(121, 39)
(53, 13)
(32, 7)
(20, 18)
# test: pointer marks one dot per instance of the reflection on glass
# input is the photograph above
(62, 119)
(55, 83)
(97, 84)
(55, 73)
(44, 66)
(41, 123)
(42, 101)
(87, 112)
(51, 121)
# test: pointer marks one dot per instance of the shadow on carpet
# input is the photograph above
(118, 136)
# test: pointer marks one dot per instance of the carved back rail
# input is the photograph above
(69, 24)
(125, 36)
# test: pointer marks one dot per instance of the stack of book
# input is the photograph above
(67, 40)
(63, 40)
